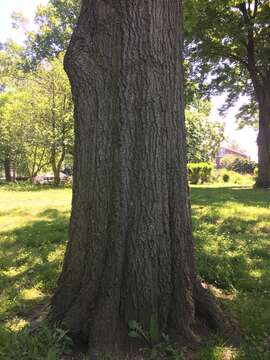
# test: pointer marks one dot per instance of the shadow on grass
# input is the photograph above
(30, 261)
(233, 254)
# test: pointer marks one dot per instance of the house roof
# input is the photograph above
(234, 151)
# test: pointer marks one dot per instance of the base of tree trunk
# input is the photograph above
(7, 166)
(56, 182)
(209, 317)
(208, 310)
(262, 184)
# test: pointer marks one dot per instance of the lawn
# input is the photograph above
(33, 233)
(232, 231)
(231, 227)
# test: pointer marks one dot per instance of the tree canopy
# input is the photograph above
(55, 22)
(36, 117)
(204, 136)
(226, 41)
(227, 44)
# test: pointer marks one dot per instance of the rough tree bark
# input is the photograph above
(262, 92)
(263, 139)
(130, 249)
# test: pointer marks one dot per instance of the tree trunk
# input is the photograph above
(56, 178)
(56, 165)
(263, 142)
(130, 249)
(7, 166)
(56, 174)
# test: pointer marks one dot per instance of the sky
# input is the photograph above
(246, 138)
(7, 7)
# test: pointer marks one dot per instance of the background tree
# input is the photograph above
(53, 86)
(12, 106)
(204, 136)
(8, 130)
(55, 22)
(130, 251)
(26, 137)
(229, 48)
(11, 64)
(37, 117)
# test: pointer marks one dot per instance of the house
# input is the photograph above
(228, 151)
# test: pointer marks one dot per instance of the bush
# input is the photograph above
(199, 172)
(238, 164)
(243, 166)
(226, 178)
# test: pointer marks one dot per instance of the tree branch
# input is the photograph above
(255, 9)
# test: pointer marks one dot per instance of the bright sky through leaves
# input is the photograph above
(7, 7)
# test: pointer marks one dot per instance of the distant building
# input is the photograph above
(228, 151)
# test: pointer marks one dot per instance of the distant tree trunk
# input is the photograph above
(7, 166)
(263, 141)
(56, 172)
(56, 165)
(14, 171)
(261, 86)
(56, 178)
(130, 253)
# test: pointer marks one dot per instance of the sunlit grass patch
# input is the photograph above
(217, 352)
(16, 324)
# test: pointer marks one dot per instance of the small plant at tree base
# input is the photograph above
(150, 337)
(136, 331)
(156, 348)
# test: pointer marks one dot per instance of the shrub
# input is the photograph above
(199, 172)
(226, 178)
(243, 166)
(238, 164)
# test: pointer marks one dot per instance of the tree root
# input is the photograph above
(208, 310)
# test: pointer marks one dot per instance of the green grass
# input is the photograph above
(33, 234)
(232, 232)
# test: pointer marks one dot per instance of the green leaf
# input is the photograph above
(133, 334)
(51, 355)
(133, 324)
